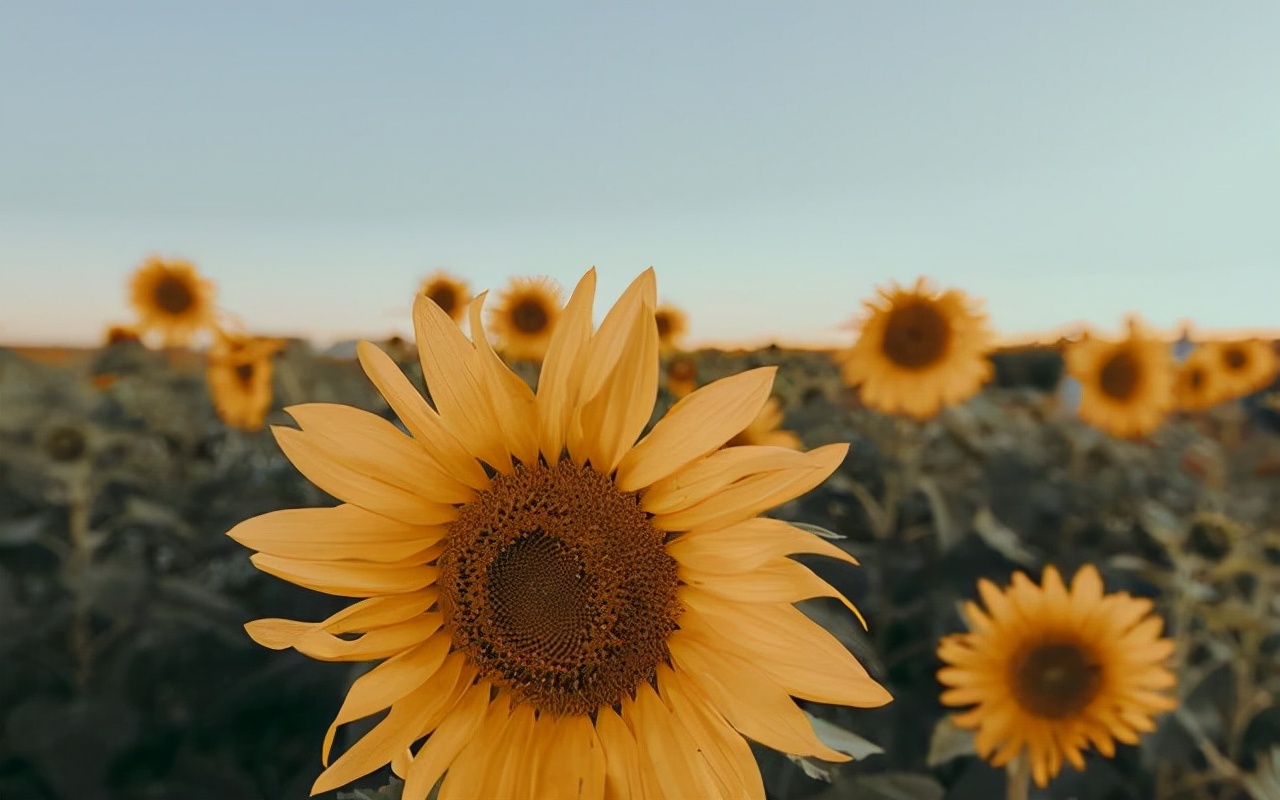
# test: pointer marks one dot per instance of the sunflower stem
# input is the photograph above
(1018, 775)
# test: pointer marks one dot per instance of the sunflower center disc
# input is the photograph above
(1055, 680)
(1196, 378)
(244, 373)
(556, 585)
(173, 295)
(1234, 358)
(1119, 376)
(529, 316)
(916, 335)
(65, 444)
(443, 296)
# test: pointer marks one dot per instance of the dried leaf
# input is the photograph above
(1001, 538)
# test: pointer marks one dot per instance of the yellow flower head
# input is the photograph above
(1198, 384)
(1126, 386)
(565, 611)
(1049, 671)
(919, 351)
(172, 298)
(448, 291)
(1245, 366)
(525, 318)
(682, 375)
(239, 376)
(673, 323)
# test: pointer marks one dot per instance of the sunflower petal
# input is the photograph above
(561, 369)
(778, 581)
(617, 415)
(668, 748)
(351, 482)
(623, 779)
(569, 759)
(474, 766)
(446, 741)
(419, 418)
(348, 578)
(711, 475)
(513, 400)
(334, 534)
(459, 393)
(727, 755)
(748, 545)
(695, 426)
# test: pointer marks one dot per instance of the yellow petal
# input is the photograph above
(348, 578)
(377, 747)
(512, 399)
(337, 533)
(727, 755)
(569, 759)
(666, 747)
(561, 369)
(748, 698)
(696, 425)
(467, 776)
(709, 476)
(514, 774)
(376, 612)
(750, 496)
(378, 643)
(370, 443)
(460, 395)
(779, 581)
(351, 481)
(748, 545)
(388, 682)
(617, 415)
(444, 744)
(621, 758)
(787, 655)
(422, 421)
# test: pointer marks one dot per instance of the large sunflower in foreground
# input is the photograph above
(239, 378)
(565, 612)
(1050, 672)
(525, 318)
(919, 350)
(448, 291)
(170, 297)
(1246, 366)
(1126, 386)
(1198, 384)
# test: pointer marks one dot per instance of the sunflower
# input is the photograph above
(525, 317)
(682, 375)
(1246, 366)
(448, 291)
(1126, 386)
(239, 377)
(673, 323)
(1198, 384)
(765, 429)
(120, 334)
(172, 298)
(1049, 671)
(564, 611)
(919, 350)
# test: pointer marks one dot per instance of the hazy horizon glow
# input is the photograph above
(1063, 161)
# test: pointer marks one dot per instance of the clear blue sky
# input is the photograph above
(774, 162)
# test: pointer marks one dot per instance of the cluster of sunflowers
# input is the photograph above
(174, 303)
(569, 606)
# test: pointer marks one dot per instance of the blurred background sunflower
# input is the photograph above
(524, 317)
(172, 300)
(1126, 385)
(448, 291)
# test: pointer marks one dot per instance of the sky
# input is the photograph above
(775, 163)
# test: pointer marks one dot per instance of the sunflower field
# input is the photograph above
(534, 554)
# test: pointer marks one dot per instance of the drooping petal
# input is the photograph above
(352, 482)
(778, 581)
(428, 430)
(349, 578)
(748, 545)
(695, 426)
(334, 534)
(310, 640)
(460, 395)
(710, 476)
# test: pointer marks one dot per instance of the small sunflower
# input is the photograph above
(1126, 386)
(448, 291)
(1050, 671)
(1198, 384)
(765, 429)
(564, 611)
(682, 375)
(673, 323)
(239, 377)
(919, 350)
(525, 317)
(1246, 366)
(172, 298)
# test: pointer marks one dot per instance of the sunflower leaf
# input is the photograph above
(817, 530)
(845, 741)
(949, 741)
